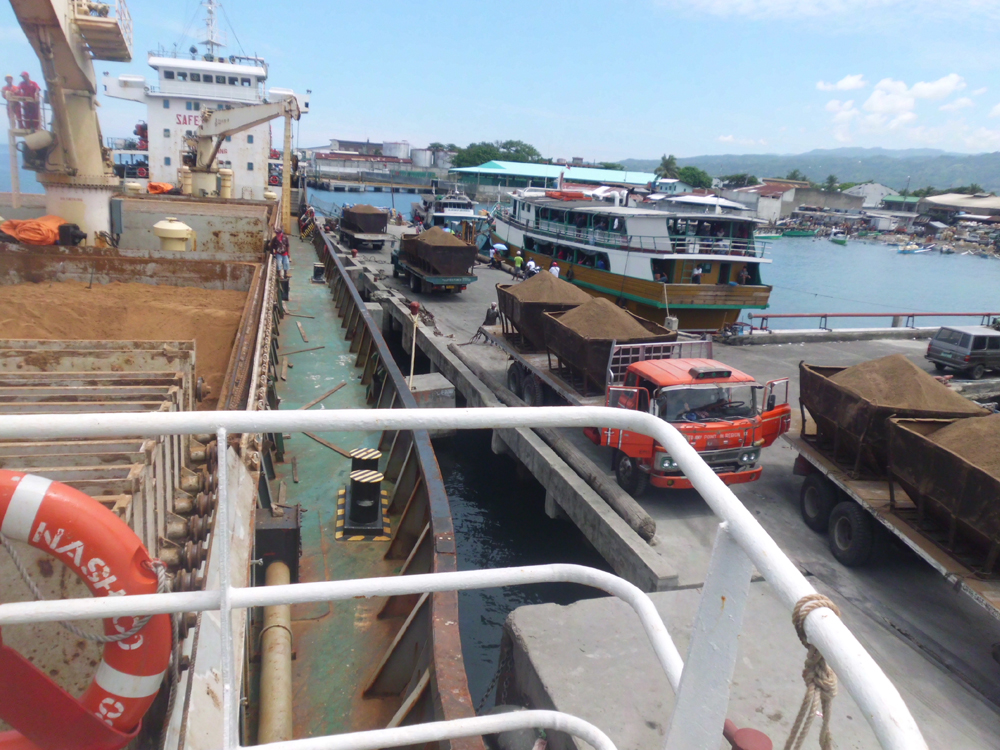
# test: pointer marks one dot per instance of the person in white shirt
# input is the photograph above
(531, 267)
(554, 269)
(696, 275)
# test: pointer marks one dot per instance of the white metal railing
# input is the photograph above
(702, 688)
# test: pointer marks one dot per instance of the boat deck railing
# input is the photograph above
(899, 319)
(665, 243)
(701, 686)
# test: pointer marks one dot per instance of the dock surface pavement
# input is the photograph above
(933, 642)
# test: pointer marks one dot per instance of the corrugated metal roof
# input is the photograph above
(961, 200)
(552, 171)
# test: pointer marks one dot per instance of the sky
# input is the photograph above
(606, 79)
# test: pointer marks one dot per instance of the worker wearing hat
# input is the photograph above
(13, 107)
(30, 90)
(554, 269)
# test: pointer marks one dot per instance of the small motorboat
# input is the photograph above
(839, 238)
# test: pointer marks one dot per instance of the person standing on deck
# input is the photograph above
(29, 90)
(518, 262)
(13, 107)
(554, 269)
(696, 274)
(492, 315)
(744, 276)
(279, 248)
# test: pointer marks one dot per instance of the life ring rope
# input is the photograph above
(111, 561)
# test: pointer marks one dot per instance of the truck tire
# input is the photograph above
(977, 372)
(817, 499)
(852, 534)
(630, 477)
(415, 283)
(514, 378)
(939, 367)
(531, 391)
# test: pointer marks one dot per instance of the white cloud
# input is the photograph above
(843, 112)
(960, 103)
(983, 139)
(741, 141)
(847, 83)
(732, 139)
(980, 92)
(940, 88)
(868, 11)
(890, 98)
(995, 112)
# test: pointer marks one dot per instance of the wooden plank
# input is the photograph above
(284, 368)
(302, 332)
(295, 469)
(331, 446)
(325, 395)
(299, 351)
(300, 315)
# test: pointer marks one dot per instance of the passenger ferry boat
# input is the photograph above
(643, 258)
(439, 211)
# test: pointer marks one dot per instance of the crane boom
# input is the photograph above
(217, 125)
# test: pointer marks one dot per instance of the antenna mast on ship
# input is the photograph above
(213, 37)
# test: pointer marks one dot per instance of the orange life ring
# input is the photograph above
(111, 561)
(141, 171)
(274, 179)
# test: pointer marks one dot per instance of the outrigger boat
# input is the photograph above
(838, 238)
(799, 233)
(644, 259)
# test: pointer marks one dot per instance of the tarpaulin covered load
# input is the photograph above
(365, 219)
(851, 406)
(439, 253)
(41, 231)
(159, 188)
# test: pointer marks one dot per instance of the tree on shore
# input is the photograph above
(696, 178)
(830, 184)
(668, 167)
(480, 153)
(797, 176)
(612, 165)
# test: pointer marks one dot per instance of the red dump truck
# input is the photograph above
(724, 414)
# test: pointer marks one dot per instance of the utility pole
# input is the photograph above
(286, 182)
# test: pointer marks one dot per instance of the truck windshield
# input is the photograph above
(704, 403)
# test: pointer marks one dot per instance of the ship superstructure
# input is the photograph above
(185, 87)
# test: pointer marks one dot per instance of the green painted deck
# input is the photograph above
(337, 646)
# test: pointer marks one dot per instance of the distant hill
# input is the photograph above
(923, 166)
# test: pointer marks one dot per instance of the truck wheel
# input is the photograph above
(852, 534)
(939, 367)
(977, 372)
(531, 391)
(414, 283)
(817, 499)
(630, 477)
(514, 378)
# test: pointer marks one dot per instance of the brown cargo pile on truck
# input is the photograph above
(975, 440)
(851, 407)
(439, 253)
(523, 304)
(365, 219)
(129, 311)
(896, 382)
(582, 337)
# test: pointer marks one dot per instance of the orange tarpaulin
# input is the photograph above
(159, 188)
(41, 231)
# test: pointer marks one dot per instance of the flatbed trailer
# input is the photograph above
(360, 240)
(422, 282)
(552, 382)
(828, 484)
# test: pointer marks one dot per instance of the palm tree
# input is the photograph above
(667, 168)
(831, 183)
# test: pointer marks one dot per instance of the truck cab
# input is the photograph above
(725, 415)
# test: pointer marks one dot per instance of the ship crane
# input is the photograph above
(217, 125)
(72, 164)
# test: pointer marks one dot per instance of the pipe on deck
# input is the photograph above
(276, 664)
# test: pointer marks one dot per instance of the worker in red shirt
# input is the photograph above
(30, 90)
(13, 108)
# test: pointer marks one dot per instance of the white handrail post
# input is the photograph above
(703, 696)
(222, 538)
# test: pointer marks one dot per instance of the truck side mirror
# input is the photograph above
(771, 401)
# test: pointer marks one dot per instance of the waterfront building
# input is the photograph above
(873, 193)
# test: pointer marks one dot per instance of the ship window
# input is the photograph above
(197, 106)
(181, 76)
(220, 79)
(249, 139)
(166, 132)
(249, 166)
(187, 132)
(168, 74)
(196, 77)
(188, 104)
(228, 138)
(234, 81)
(245, 81)
(166, 161)
(166, 104)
